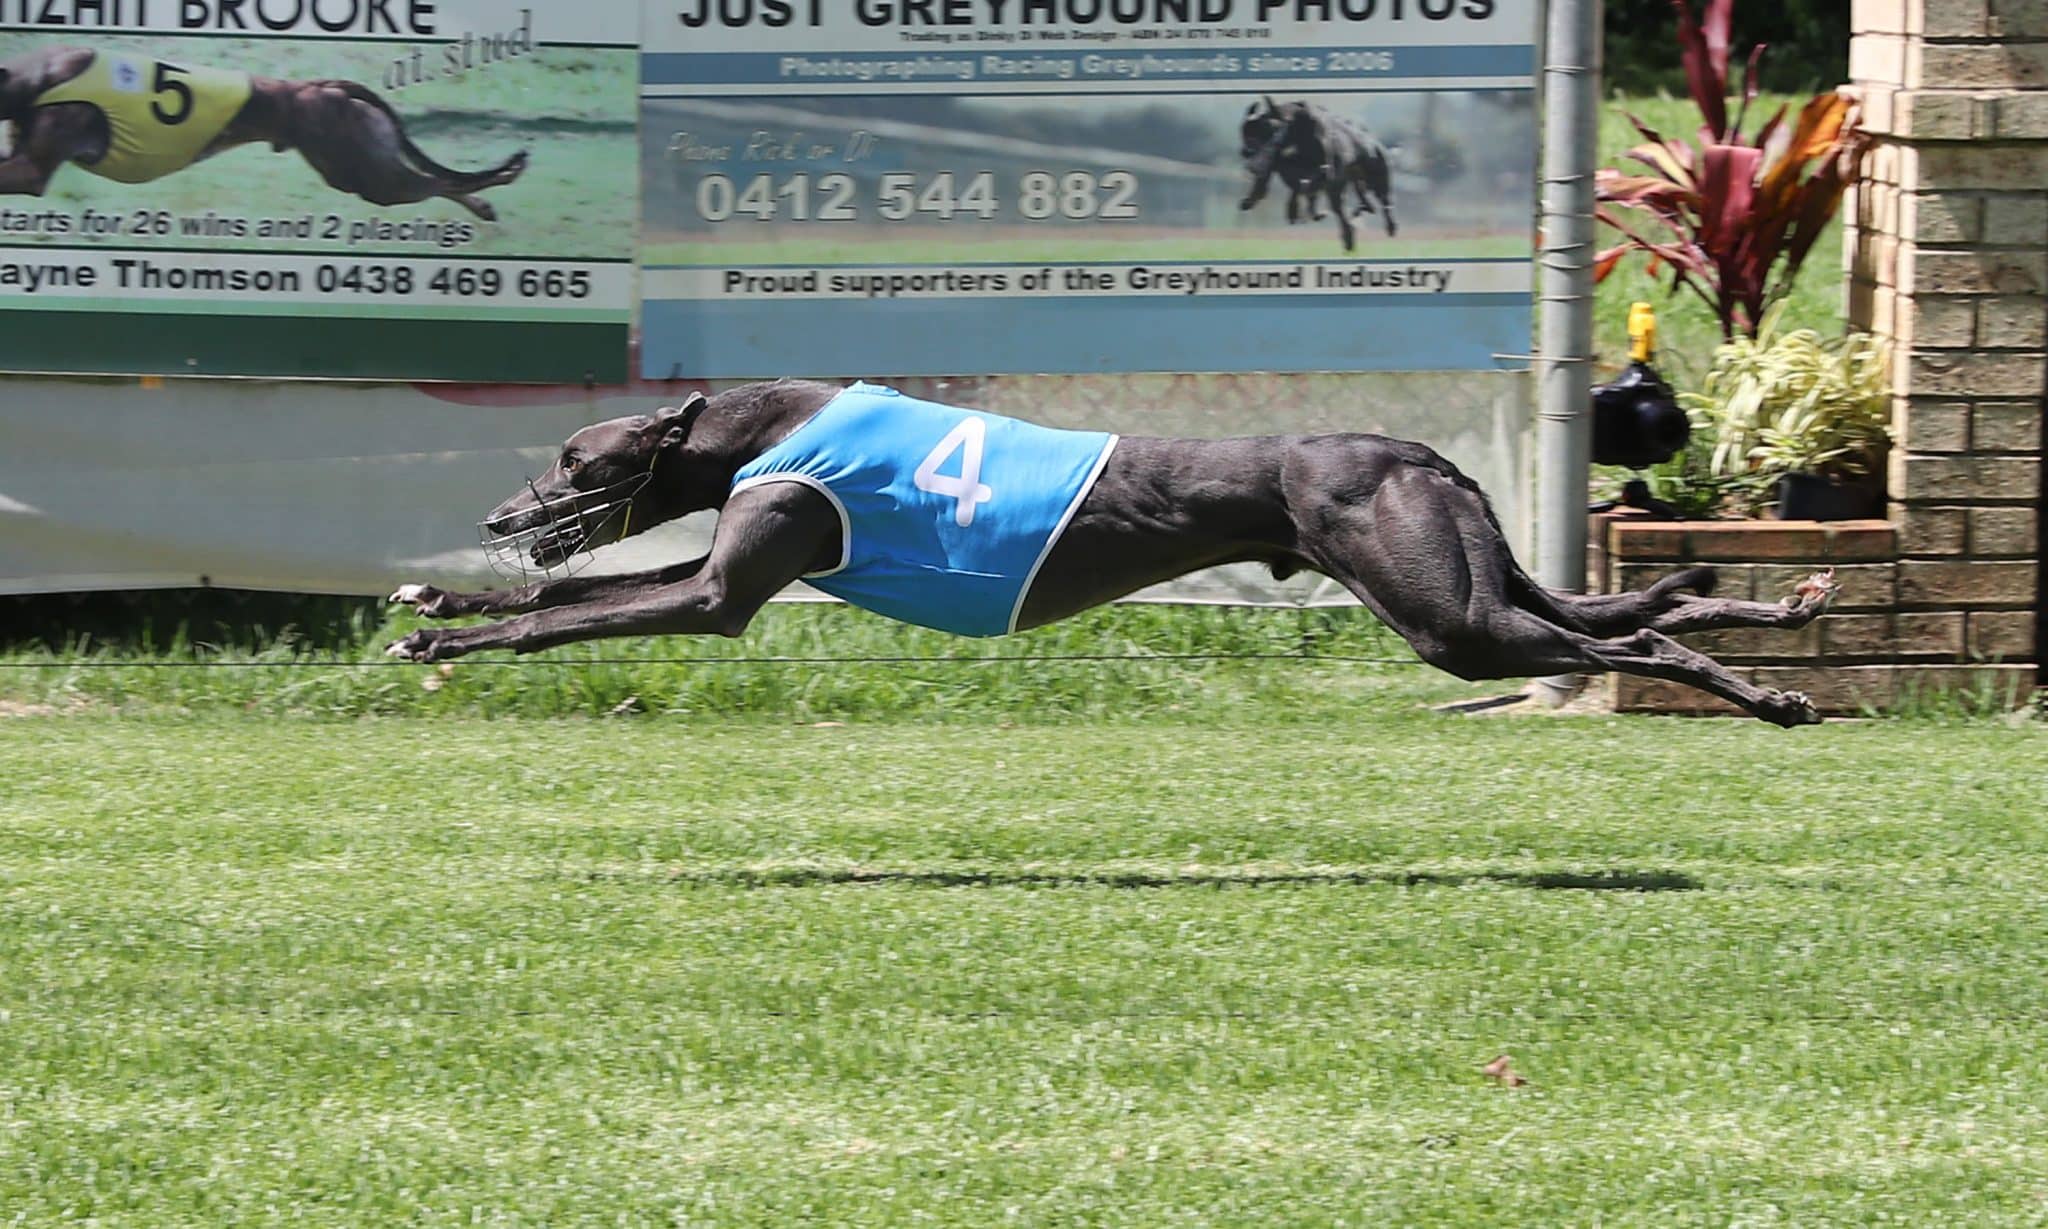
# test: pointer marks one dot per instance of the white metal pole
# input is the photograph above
(1564, 363)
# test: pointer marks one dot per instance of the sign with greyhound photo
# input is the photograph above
(402, 189)
(999, 186)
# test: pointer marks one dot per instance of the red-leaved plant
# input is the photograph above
(1737, 207)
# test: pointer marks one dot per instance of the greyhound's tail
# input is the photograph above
(416, 158)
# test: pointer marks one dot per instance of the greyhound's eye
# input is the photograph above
(571, 463)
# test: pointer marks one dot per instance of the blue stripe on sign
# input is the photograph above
(767, 68)
(756, 339)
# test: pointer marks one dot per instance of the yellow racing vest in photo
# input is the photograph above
(160, 116)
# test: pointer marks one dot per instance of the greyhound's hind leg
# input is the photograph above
(1665, 607)
(1703, 614)
(1423, 553)
(358, 146)
(1344, 228)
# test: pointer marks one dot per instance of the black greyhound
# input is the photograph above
(1314, 151)
(1395, 523)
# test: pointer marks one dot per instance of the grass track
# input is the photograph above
(1226, 971)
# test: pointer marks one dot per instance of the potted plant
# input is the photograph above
(1731, 218)
(1798, 421)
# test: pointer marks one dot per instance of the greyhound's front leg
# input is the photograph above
(766, 538)
(693, 607)
(20, 176)
(436, 603)
(1258, 190)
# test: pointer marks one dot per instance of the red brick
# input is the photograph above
(1926, 583)
(1862, 541)
(1646, 539)
(1750, 541)
(2002, 634)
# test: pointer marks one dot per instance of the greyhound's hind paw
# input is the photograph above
(420, 646)
(1792, 708)
(1817, 590)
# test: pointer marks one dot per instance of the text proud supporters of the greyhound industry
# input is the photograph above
(1379, 277)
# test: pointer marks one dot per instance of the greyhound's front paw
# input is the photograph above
(1247, 203)
(1791, 708)
(426, 600)
(422, 646)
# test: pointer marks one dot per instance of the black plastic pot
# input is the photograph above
(1814, 497)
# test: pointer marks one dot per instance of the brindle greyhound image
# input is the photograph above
(1400, 527)
(1315, 153)
(134, 119)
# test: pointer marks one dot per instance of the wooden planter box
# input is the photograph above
(1896, 629)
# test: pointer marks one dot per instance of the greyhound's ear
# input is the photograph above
(1272, 106)
(674, 420)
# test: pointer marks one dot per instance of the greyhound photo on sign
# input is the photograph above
(132, 119)
(979, 524)
(1318, 154)
(408, 191)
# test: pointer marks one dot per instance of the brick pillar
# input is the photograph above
(1948, 255)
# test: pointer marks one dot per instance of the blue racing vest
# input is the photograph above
(946, 513)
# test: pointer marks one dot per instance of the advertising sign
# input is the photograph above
(968, 186)
(419, 189)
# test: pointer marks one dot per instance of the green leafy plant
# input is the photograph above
(1688, 484)
(1739, 211)
(1792, 402)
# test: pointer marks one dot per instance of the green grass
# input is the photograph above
(1687, 329)
(1234, 970)
(712, 677)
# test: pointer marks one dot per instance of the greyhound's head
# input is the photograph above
(1263, 123)
(602, 487)
(12, 104)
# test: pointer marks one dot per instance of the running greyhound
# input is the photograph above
(133, 119)
(982, 525)
(1314, 151)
